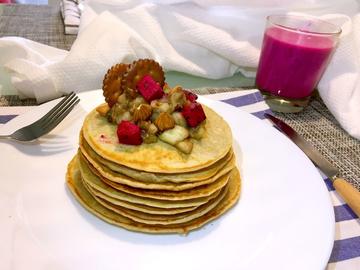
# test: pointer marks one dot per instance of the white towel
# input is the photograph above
(197, 37)
(340, 84)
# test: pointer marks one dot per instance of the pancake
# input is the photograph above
(143, 176)
(159, 157)
(74, 182)
(112, 195)
(201, 191)
(162, 219)
(123, 179)
(150, 209)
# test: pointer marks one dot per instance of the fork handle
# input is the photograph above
(349, 193)
(5, 136)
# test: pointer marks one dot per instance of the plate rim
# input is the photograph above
(221, 105)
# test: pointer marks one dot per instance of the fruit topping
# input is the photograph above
(174, 135)
(164, 121)
(135, 103)
(142, 112)
(146, 109)
(177, 97)
(118, 113)
(112, 83)
(192, 97)
(193, 113)
(197, 132)
(149, 88)
(160, 105)
(129, 133)
(179, 119)
(185, 146)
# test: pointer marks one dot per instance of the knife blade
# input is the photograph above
(349, 193)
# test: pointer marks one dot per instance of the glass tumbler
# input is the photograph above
(294, 55)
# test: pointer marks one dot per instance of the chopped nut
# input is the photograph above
(126, 116)
(177, 97)
(130, 93)
(144, 125)
(117, 113)
(122, 99)
(176, 88)
(165, 107)
(166, 88)
(161, 106)
(149, 138)
(164, 121)
(142, 112)
(103, 109)
(136, 103)
(152, 129)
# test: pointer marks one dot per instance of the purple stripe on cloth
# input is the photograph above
(344, 212)
(245, 99)
(329, 184)
(345, 249)
(6, 118)
(260, 114)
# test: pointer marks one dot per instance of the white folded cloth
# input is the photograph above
(198, 37)
(70, 12)
(339, 87)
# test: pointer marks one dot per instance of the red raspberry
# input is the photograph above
(149, 88)
(193, 113)
(129, 133)
(190, 95)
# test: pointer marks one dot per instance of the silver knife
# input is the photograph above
(349, 193)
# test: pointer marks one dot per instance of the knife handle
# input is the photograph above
(349, 193)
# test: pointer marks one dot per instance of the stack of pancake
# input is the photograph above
(154, 188)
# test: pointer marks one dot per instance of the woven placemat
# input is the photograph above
(315, 123)
(38, 23)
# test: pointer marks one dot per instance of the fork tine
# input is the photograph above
(59, 117)
(46, 123)
(58, 111)
(57, 106)
(52, 111)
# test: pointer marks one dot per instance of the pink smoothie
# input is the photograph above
(292, 63)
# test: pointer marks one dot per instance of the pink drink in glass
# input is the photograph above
(292, 60)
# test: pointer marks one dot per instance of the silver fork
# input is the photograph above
(46, 123)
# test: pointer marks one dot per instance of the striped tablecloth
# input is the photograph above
(346, 251)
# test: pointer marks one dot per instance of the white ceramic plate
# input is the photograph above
(284, 219)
